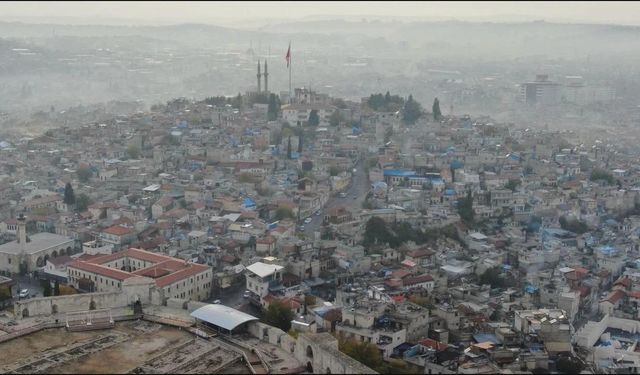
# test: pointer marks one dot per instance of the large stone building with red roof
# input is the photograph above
(174, 278)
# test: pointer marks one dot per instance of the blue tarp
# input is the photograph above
(456, 164)
(530, 289)
(399, 173)
(248, 202)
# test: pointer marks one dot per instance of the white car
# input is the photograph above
(217, 302)
(308, 220)
(24, 293)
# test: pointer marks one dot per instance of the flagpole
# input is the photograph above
(290, 97)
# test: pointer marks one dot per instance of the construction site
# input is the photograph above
(137, 346)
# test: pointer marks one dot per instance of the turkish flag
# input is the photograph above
(288, 56)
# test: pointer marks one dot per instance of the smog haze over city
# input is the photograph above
(292, 187)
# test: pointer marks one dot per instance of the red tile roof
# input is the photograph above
(634, 294)
(626, 282)
(166, 270)
(615, 296)
(417, 280)
(117, 230)
(100, 270)
(400, 274)
(191, 269)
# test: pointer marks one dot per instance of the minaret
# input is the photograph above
(266, 77)
(259, 80)
(22, 231)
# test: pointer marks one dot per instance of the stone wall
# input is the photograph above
(63, 304)
(320, 350)
(133, 289)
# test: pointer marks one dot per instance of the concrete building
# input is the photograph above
(32, 251)
(262, 277)
(540, 91)
(174, 278)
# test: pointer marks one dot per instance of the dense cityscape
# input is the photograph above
(461, 222)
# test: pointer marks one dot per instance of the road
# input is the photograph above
(27, 282)
(358, 189)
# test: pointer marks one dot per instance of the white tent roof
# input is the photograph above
(222, 316)
(263, 269)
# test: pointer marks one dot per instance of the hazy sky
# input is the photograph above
(152, 11)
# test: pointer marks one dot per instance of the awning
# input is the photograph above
(222, 316)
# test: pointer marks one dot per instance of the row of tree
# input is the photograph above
(81, 202)
(411, 109)
(379, 232)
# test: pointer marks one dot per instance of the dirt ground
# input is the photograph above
(119, 358)
(26, 346)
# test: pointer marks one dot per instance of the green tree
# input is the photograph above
(133, 152)
(69, 195)
(278, 315)
(512, 184)
(364, 352)
(46, 286)
(436, 110)
(492, 277)
(602, 175)
(314, 119)
(569, 365)
(82, 202)
(336, 118)
(5, 294)
(284, 212)
(274, 107)
(573, 225)
(84, 173)
(334, 171)
(56, 288)
(236, 102)
(465, 208)
(412, 111)
(376, 232)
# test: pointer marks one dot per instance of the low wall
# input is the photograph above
(64, 304)
(319, 349)
(133, 289)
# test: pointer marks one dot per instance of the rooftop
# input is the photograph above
(38, 242)
(263, 269)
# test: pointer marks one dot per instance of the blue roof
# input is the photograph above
(530, 289)
(248, 202)
(608, 250)
(450, 192)
(456, 164)
(379, 184)
(399, 172)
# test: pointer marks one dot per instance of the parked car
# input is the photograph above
(246, 294)
(217, 302)
(308, 220)
(24, 293)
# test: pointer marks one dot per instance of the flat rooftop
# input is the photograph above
(39, 242)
